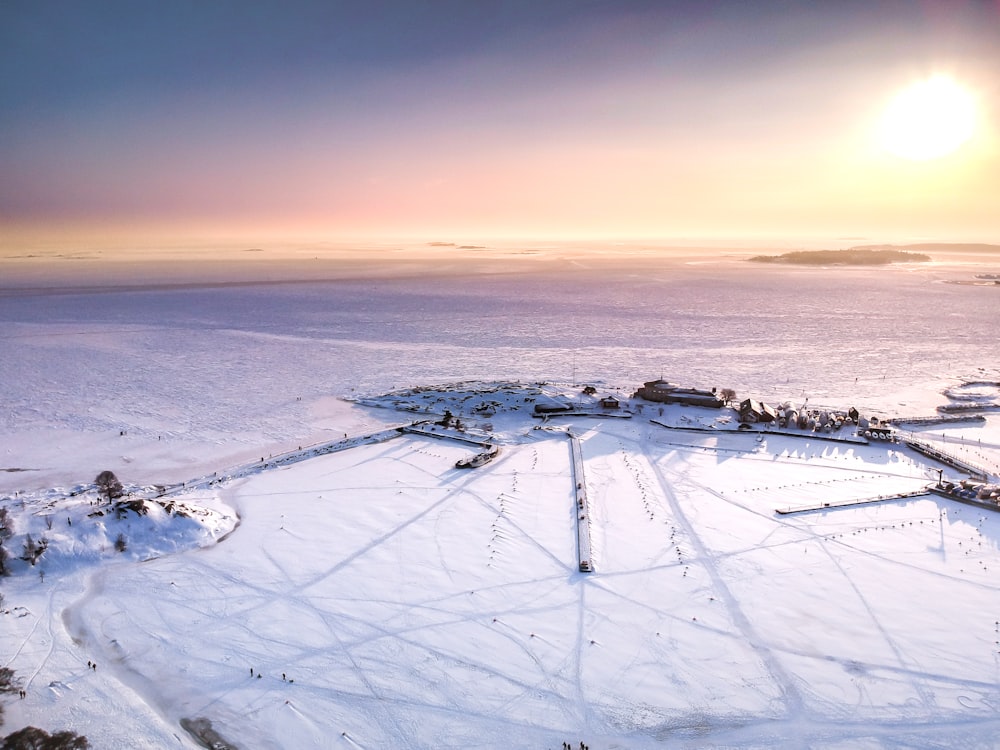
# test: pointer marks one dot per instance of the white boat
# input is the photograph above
(477, 460)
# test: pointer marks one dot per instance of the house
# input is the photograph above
(609, 402)
(655, 390)
(755, 411)
(549, 405)
(668, 393)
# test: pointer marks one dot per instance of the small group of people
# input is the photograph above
(259, 675)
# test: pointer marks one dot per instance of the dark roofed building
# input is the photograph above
(549, 405)
(756, 411)
(668, 393)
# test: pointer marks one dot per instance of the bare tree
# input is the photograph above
(108, 485)
(33, 550)
(728, 395)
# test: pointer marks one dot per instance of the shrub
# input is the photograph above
(33, 738)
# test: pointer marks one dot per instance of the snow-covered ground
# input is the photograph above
(387, 598)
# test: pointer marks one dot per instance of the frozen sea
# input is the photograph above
(420, 606)
(222, 354)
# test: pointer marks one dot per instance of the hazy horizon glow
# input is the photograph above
(562, 119)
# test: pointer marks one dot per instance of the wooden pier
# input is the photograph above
(419, 428)
(582, 508)
(931, 451)
(275, 462)
(834, 504)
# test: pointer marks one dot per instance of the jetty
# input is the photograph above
(949, 459)
(275, 462)
(582, 508)
(938, 419)
(965, 498)
(834, 504)
(420, 428)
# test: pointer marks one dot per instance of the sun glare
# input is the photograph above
(928, 120)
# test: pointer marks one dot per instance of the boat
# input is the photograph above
(480, 459)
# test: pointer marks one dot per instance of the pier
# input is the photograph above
(282, 459)
(419, 428)
(582, 507)
(949, 459)
(973, 501)
(834, 504)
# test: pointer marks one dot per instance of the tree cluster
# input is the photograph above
(33, 738)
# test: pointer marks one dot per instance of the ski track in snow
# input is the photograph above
(793, 699)
(656, 472)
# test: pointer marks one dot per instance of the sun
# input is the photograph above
(928, 120)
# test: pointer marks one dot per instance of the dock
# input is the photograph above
(938, 419)
(313, 451)
(834, 504)
(973, 501)
(275, 462)
(418, 428)
(949, 459)
(582, 508)
(768, 432)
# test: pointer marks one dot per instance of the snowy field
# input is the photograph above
(387, 599)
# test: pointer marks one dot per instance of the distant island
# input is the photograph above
(937, 247)
(855, 256)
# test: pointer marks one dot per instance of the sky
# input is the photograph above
(470, 121)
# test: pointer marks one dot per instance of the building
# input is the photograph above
(550, 405)
(755, 411)
(610, 402)
(668, 393)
